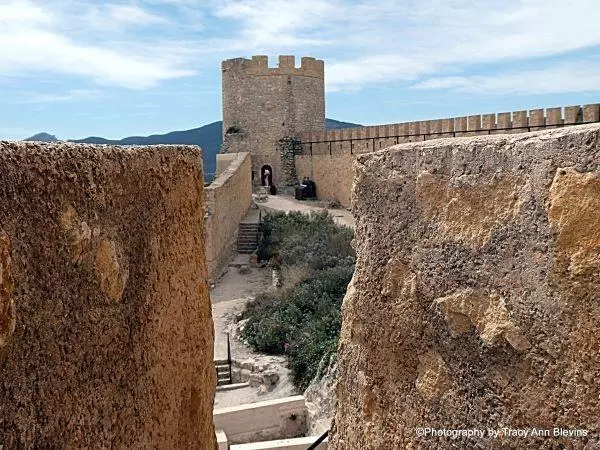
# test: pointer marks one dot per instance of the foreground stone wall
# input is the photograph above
(228, 199)
(476, 298)
(106, 336)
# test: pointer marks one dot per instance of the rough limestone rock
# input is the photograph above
(476, 298)
(106, 335)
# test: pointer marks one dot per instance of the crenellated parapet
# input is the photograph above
(263, 105)
(326, 156)
(259, 66)
(501, 123)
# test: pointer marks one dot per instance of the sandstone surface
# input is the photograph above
(476, 298)
(106, 335)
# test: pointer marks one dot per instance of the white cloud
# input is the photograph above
(375, 41)
(579, 76)
(118, 15)
(22, 11)
(73, 94)
(35, 40)
(140, 43)
(351, 74)
(269, 24)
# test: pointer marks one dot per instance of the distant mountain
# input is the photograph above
(42, 137)
(331, 124)
(208, 137)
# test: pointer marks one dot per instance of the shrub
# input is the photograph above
(303, 318)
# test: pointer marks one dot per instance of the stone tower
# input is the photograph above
(265, 108)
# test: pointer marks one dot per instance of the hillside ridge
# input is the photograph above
(208, 137)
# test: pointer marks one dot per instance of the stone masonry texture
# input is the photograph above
(327, 156)
(476, 297)
(227, 200)
(105, 322)
(262, 105)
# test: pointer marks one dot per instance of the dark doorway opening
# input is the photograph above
(266, 175)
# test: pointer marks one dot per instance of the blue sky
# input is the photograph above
(76, 68)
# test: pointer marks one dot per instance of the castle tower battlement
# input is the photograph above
(263, 106)
(259, 66)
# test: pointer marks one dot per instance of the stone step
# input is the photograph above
(242, 242)
(232, 386)
(252, 241)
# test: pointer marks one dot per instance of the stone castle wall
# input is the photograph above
(262, 105)
(328, 155)
(332, 175)
(476, 296)
(228, 198)
(106, 337)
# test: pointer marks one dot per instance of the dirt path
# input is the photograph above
(286, 204)
(224, 314)
(233, 284)
(232, 291)
(229, 298)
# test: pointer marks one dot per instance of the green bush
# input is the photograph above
(303, 239)
(302, 320)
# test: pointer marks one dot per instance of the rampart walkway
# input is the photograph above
(287, 204)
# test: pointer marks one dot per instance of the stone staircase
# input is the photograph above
(247, 240)
(223, 377)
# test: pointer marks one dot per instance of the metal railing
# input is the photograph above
(318, 441)
(299, 145)
(229, 363)
(229, 359)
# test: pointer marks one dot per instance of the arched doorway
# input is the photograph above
(266, 174)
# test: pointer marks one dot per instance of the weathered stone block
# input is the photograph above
(105, 320)
(476, 298)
